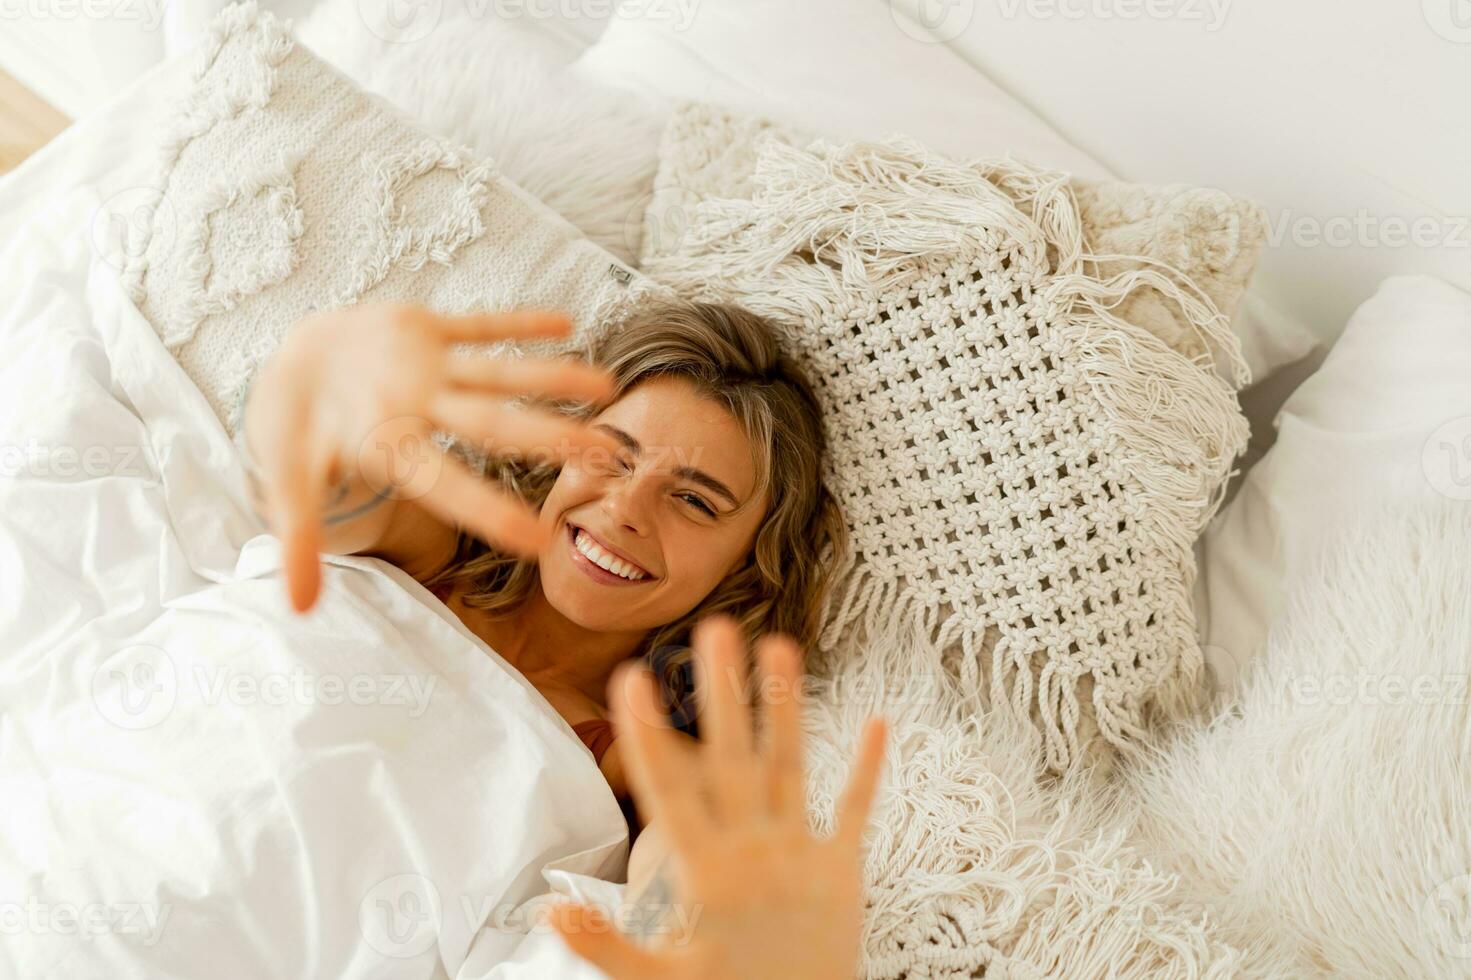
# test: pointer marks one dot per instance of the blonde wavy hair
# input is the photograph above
(732, 357)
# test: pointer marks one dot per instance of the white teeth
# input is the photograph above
(604, 560)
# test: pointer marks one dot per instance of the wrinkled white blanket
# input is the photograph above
(196, 781)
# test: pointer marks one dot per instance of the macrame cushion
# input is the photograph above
(1023, 466)
(283, 189)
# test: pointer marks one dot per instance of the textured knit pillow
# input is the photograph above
(284, 189)
(1024, 468)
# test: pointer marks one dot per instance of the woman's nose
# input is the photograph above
(626, 502)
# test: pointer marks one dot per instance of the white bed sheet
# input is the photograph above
(196, 782)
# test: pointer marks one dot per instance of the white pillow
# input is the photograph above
(860, 69)
(1386, 418)
(283, 189)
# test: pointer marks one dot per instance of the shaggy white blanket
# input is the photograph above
(1324, 819)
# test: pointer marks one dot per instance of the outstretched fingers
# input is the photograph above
(546, 377)
(491, 327)
(720, 676)
(662, 775)
(853, 808)
(494, 427)
(589, 934)
(460, 496)
(294, 489)
(780, 660)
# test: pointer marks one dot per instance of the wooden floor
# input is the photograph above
(26, 123)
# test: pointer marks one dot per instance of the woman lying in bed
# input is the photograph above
(678, 482)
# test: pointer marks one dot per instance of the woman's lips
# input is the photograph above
(591, 568)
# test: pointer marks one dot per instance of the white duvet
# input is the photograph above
(194, 781)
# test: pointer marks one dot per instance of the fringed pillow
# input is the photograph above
(284, 189)
(1024, 468)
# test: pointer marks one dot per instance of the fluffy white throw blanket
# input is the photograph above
(1324, 819)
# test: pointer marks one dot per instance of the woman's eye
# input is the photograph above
(697, 501)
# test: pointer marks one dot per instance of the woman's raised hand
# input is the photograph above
(746, 890)
(352, 396)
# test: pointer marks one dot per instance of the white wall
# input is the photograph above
(1337, 115)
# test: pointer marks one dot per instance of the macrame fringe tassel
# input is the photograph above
(976, 858)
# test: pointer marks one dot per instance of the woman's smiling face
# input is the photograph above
(664, 508)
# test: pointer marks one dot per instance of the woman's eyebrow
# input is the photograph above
(688, 472)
